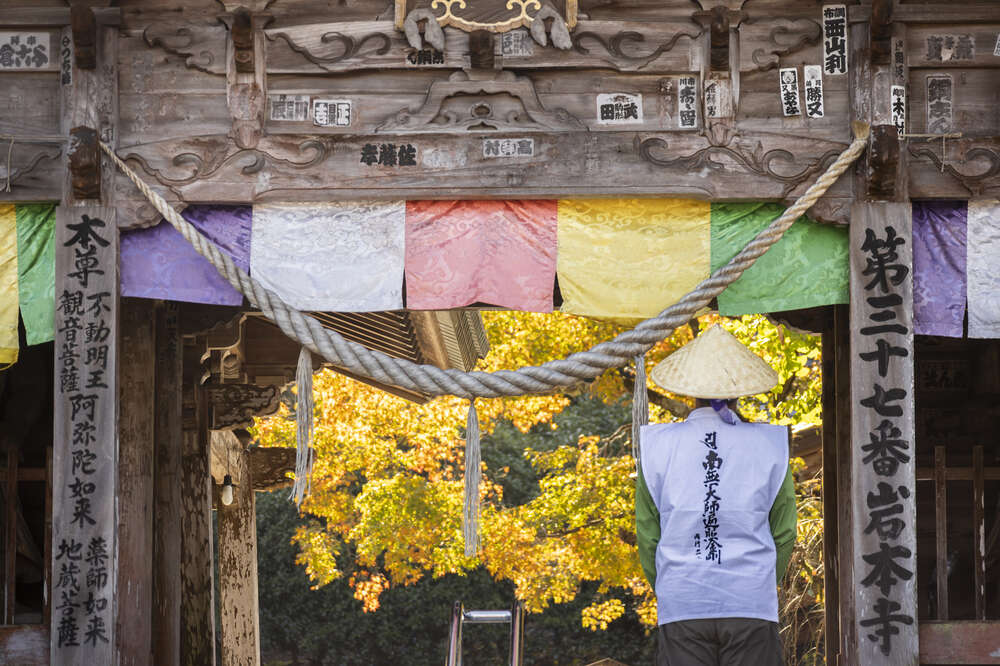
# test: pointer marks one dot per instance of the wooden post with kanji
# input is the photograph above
(883, 471)
(85, 456)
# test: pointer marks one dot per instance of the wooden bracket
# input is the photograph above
(85, 163)
(235, 405)
(84, 27)
(883, 163)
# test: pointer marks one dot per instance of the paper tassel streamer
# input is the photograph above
(304, 426)
(640, 406)
(473, 458)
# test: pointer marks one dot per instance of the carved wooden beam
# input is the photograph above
(235, 405)
(85, 163)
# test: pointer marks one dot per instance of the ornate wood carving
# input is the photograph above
(570, 163)
(235, 405)
(85, 163)
(725, 142)
(84, 27)
(974, 166)
(497, 101)
(492, 15)
(35, 160)
(217, 153)
(344, 47)
(786, 38)
(201, 46)
(622, 44)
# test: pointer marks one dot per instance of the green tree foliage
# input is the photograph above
(558, 474)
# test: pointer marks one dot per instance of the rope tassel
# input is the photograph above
(304, 455)
(473, 460)
(640, 406)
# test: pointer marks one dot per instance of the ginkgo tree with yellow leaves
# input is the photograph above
(386, 494)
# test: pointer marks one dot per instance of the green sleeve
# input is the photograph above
(647, 528)
(783, 519)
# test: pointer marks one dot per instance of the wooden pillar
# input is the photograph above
(197, 623)
(135, 482)
(167, 489)
(831, 477)
(845, 518)
(239, 618)
(883, 497)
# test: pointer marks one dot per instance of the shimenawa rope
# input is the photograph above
(431, 380)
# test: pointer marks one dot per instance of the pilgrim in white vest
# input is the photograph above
(715, 510)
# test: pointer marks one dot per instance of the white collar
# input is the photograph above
(703, 413)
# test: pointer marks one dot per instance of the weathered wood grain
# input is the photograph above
(167, 488)
(136, 427)
(25, 645)
(883, 497)
(196, 580)
(239, 616)
(960, 642)
(85, 436)
(311, 168)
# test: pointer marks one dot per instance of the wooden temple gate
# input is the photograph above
(114, 433)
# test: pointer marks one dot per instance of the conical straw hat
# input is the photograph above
(714, 365)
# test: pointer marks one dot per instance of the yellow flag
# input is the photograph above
(628, 259)
(8, 285)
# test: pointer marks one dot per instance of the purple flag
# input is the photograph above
(939, 236)
(158, 262)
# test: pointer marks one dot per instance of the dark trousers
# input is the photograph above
(721, 642)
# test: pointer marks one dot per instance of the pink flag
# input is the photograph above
(497, 252)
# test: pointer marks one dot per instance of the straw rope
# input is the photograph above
(430, 380)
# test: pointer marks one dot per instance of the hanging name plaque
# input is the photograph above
(84, 450)
(834, 39)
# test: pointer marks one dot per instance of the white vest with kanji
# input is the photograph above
(714, 485)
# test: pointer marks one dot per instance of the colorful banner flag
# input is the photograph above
(806, 268)
(497, 252)
(159, 263)
(8, 285)
(983, 263)
(36, 270)
(628, 259)
(939, 287)
(339, 257)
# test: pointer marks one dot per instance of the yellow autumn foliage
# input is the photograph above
(386, 498)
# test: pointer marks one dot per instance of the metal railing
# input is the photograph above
(460, 617)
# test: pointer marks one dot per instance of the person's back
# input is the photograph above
(714, 485)
(715, 511)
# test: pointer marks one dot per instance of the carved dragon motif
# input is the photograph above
(975, 183)
(722, 144)
(785, 40)
(50, 154)
(216, 156)
(615, 43)
(349, 47)
(180, 41)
